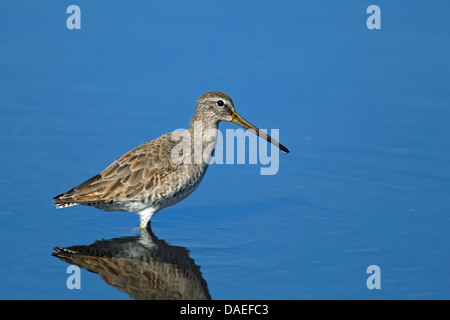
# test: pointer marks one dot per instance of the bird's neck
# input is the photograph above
(203, 137)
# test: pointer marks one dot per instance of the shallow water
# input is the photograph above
(365, 114)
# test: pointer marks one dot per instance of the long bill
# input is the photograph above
(247, 125)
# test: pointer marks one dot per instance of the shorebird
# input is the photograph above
(147, 178)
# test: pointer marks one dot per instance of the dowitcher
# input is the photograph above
(147, 179)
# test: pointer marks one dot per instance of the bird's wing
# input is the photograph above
(140, 169)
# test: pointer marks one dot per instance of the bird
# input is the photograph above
(163, 171)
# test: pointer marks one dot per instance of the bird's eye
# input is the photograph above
(220, 103)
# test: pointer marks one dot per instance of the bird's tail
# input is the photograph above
(64, 205)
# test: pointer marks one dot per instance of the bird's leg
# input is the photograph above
(145, 216)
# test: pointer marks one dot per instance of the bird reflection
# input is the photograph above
(143, 266)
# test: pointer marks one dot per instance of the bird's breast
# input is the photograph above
(178, 186)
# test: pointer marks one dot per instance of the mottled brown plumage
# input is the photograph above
(151, 176)
(136, 172)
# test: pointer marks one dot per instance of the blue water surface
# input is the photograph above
(365, 114)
